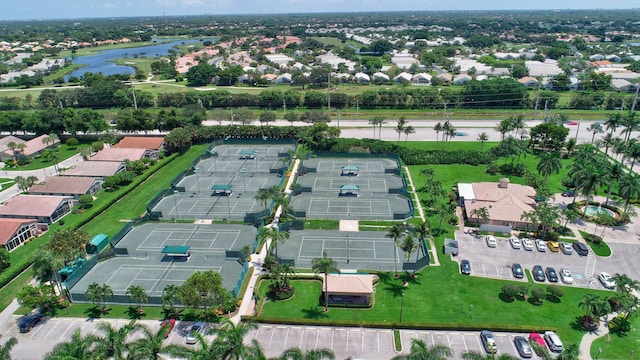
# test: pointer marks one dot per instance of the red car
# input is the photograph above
(537, 338)
(169, 323)
(572, 123)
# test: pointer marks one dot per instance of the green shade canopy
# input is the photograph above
(176, 250)
(350, 168)
(221, 187)
(349, 188)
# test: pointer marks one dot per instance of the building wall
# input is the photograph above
(24, 233)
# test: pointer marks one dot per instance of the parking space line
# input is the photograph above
(271, 337)
(362, 338)
(466, 348)
(286, 337)
(378, 340)
(333, 332)
(64, 334)
(301, 338)
(513, 346)
(257, 333)
(484, 272)
(449, 340)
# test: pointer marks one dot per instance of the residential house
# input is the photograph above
(15, 232)
(529, 82)
(32, 147)
(95, 169)
(284, 79)
(354, 289)
(362, 78)
(613, 58)
(596, 57)
(622, 85)
(403, 77)
(462, 79)
(73, 186)
(421, 79)
(444, 77)
(118, 154)
(379, 76)
(6, 152)
(151, 145)
(45, 209)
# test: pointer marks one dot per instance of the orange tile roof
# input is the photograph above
(140, 142)
(118, 154)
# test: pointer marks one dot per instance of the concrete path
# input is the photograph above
(416, 200)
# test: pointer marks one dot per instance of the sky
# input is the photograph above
(65, 9)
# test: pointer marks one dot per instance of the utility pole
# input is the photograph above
(357, 109)
(329, 93)
(535, 109)
(635, 98)
(133, 91)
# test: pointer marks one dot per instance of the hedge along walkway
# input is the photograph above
(416, 199)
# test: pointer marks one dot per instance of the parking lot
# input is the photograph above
(357, 343)
(496, 262)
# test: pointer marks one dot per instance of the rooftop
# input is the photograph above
(350, 283)
(8, 227)
(140, 142)
(63, 185)
(32, 205)
(93, 168)
(118, 154)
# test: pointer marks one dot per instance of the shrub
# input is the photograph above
(555, 291)
(537, 295)
(97, 145)
(493, 168)
(72, 142)
(86, 201)
(510, 291)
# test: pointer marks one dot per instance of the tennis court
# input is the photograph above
(367, 250)
(262, 151)
(217, 165)
(205, 206)
(381, 207)
(366, 183)
(142, 262)
(334, 165)
(242, 182)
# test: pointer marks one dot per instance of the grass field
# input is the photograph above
(5, 183)
(618, 345)
(440, 297)
(40, 162)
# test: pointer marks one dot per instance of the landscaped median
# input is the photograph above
(438, 299)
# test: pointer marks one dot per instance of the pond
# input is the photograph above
(102, 62)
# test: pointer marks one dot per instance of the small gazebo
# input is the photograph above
(350, 170)
(222, 189)
(349, 190)
(248, 154)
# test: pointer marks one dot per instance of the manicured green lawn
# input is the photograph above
(600, 249)
(439, 297)
(8, 292)
(6, 183)
(449, 146)
(321, 224)
(40, 162)
(619, 345)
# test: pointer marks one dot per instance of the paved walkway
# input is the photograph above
(416, 200)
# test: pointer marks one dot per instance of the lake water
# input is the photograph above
(99, 63)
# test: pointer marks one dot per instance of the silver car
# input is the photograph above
(527, 244)
(541, 245)
(515, 242)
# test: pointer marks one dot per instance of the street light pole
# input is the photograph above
(244, 183)
(197, 178)
(175, 201)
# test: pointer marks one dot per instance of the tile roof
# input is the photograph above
(36, 144)
(32, 205)
(93, 168)
(350, 284)
(6, 140)
(8, 227)
(140, 142)
(63, 185)
(118, 154)
(503, 204)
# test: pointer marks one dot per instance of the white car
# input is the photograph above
(565, 276)
(607, 280)
(541, 245)
(527, 244)
(491, 241)
(566, 248)
(515, 242)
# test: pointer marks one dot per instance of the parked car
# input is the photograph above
(523, 347)
(537, 338)
(169, 324)
(569, 193)
(541, 245)
(196, 328)
(516, 270)
(553, 246)
(27, 322)
(581, 249)
(566, 248)
(465, 267)
(491, 241)
(606, 280)
(538, 273)
(553, 341)
(515, 242)
(566, 276)
(488, 341)
(527, 244)
(552, 276)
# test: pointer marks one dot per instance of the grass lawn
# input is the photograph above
(619, 345)
(6, 183)
(450, 146)
(322, 225)
(39, 162)
(8, 292)
(439, 297)
(600, 249)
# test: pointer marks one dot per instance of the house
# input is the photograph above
(596, 57)
(354, 289)
(622, 85)
(529, 81)
(33, 147)
(462, 79)
(45, 209)
(73, 186)
(362, 78)
(284, 79)
(151, 145)
(15, 232)
(421, 79)
(613, 58)
(95, 169)
(381, 76)
(444, 77)
(505, 202)
(118, 154)
(5, 152)
(403, 77)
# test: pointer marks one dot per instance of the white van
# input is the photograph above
(553, 341)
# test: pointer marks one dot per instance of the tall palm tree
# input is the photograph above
(625, 283)
(633, 152)
(438, 128)
(503, 127)
(277, 237)
(408, 130)
(408, 245)
(78, 348)
(589, 180)
(480, 214)
(607, 141)
(5, 350)
(150, 346)
(377, 121)
(595, 128)
(170, 298)
(570, 352)
(629, 188)
(630, 124)
(423, 232)
(313, 354)
(138, 295)
(419, 350)
(114, 342)
(483, 137)
(229, 341)
(263, 196)
(325, 265)
(98, 294)
(549, 162)
(613, 122)
(400, 127)
(395, 232)
(591, 304)
(614, 172)
(475, 355)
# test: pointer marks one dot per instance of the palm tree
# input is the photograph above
(21, 147)
(595, 128)
(483, 137)
(408, 130)
(613, 121)
(229, 341)
(630, 124)
(570, 352)
(150, 346)
(277, 237)
(325, 265)
(589, 180)
(46, 266)
(114, 343)
(607, 141)
(377, 121)
(263, 195)
(408, 245)
(474, 355)
(313, 354)
(549, 163)
(400, 127)
(633, 152)
(170, 296)
(98, 295)
(79, 348)
(503, 128)
(423, 232)
(30, 181)
(629, 188)
(395, 232)
(481, 214)
(420, 351)
(138, 295)
(625, 283)
(591, 304)
(438, 128)
(5, 350)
